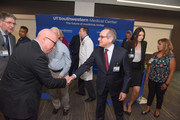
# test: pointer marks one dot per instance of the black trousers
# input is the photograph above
(82, 84)
(155, 89)
(101, 105)
(74, 64)
(30, 118)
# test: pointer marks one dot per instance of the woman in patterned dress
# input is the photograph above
(159, 74)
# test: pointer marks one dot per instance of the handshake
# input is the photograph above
(69, 79)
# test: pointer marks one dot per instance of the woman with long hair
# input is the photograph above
(137, 49)
(159, 74)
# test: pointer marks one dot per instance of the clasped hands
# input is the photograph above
(69, 79)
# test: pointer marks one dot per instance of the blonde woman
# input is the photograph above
(159, 74)
(63, 39)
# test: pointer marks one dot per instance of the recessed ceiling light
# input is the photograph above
(151, 4)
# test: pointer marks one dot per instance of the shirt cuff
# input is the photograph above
(74, 76)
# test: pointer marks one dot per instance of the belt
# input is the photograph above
(57, 70)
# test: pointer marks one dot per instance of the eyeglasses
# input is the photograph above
(51, 41)
(9, 23)
(102, 36)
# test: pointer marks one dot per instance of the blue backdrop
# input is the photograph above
(70, 26)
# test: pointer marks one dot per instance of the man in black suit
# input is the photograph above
(114, 73)
(128, 37)
(7, 40)
(74, 48)
(26, 72)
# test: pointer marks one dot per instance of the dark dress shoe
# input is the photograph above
(89, 99)
(80, 93)
(65, 112)
(127, 113)
(144, 113)
(55, 111)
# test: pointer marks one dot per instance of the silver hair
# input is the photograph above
(56, 29)
(111, 33)
(4, 15)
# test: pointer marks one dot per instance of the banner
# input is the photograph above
(70, 26)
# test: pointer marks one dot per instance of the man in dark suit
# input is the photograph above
(128, 37)
(26, 72)
(7, 40)
(74, 48)
(114, 73)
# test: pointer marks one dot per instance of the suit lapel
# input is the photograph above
(142, 49)
(113, 58)
(102, 59)
(1, 39)
(12, 42)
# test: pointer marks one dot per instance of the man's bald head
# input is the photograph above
(47, 38)
(46, 33)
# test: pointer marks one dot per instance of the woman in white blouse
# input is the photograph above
(137, 49)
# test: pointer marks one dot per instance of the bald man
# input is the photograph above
(26, 72)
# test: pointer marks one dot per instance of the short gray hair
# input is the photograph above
(56, 29)
(4, 15)
(111, 33)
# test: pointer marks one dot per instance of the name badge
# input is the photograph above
(131, 55)
(4, 53)
(116, 69)
(151, 60)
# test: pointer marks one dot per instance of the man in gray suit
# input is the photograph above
(7, 40)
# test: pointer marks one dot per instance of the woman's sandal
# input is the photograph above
(144, 112)
(156, 115)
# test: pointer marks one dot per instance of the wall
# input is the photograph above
(154, 32)
(158, 30)
(145, 15)
(102, 10)
(38, 7)
(29, 22)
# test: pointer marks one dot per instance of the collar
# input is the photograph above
(23, 38)
(84, 37)
(2, 32)
(39, 44)
(111, 48)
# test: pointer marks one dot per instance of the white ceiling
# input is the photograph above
(159, 2)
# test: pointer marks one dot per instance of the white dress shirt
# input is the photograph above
(109, 52)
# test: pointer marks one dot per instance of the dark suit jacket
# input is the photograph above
(128, 46)
(74, 45)
(4, 59)
(20, 87)
(24, 40)
(116, 81)
(124, 41)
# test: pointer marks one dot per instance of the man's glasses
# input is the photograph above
(10, 23)
(101, 37)
(51, 41)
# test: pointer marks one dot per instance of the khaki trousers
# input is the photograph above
(59, 96)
